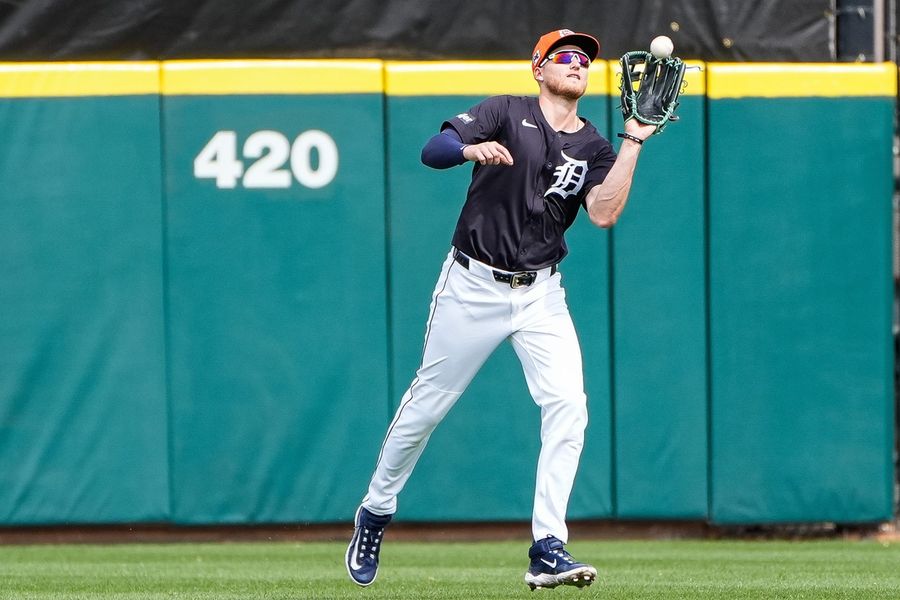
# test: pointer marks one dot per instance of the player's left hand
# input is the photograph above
(638, 129)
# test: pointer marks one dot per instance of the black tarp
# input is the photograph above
(728, 30)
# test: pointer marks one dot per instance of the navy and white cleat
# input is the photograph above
(552, 566)
(362, 554)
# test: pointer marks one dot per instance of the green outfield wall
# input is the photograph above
(83, 411)
(215, 277)
(276, 303)
(800, 291)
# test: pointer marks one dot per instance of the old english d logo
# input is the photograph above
(568, 177)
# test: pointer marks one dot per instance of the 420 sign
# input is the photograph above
(275, 162)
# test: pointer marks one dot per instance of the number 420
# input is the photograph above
(271, 150)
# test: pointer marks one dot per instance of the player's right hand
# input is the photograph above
(488, 153)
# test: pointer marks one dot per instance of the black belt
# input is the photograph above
(515, 280)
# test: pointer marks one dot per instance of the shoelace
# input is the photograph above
(373, 542)
(564, 556)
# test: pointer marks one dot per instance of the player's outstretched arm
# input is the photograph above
(606, 201)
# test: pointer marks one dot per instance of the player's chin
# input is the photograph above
(575, 94)
(571, 89)
(572, 92)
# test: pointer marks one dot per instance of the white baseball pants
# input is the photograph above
(471, 314)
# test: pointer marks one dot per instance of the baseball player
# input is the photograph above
(537, 163)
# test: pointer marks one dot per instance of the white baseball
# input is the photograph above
(661, 46)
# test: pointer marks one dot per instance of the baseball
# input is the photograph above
(661, 46)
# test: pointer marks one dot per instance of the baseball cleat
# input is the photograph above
(552, 566)
(365, 545)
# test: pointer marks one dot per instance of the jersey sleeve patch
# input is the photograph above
(480, 123)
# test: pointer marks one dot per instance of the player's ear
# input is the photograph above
(538, 76)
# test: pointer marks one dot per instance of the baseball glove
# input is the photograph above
(659, 82)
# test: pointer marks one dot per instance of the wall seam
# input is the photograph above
(707, 295)
(388, 281)
(610, 264)
(167, 326)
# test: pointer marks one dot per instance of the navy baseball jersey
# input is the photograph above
(515, 216)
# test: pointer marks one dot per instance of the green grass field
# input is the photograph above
(415, 571)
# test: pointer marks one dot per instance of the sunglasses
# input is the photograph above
(567, 57)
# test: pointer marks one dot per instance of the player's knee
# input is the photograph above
(571, 435)
(568, 413)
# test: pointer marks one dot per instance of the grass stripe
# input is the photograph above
(672, 569)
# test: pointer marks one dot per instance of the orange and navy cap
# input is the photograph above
(561, 37)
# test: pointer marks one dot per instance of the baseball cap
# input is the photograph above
(561, 37)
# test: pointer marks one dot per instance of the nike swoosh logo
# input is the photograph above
(552, 565)
(527, 124)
